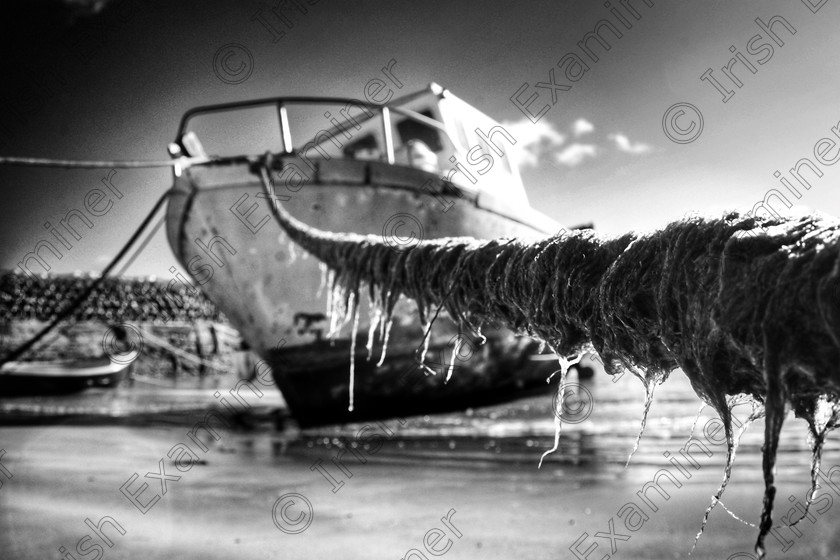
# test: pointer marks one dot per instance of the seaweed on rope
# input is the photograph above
(747, 307)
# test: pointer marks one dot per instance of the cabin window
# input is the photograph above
(365, 147)
(413, 130)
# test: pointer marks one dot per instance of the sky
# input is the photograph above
(621, 147)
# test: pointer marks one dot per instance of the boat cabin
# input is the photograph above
(431, 129)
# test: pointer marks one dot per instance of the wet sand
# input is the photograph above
(223, 508)
(378, 490)
(133, 403)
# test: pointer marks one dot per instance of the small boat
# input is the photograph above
(427, 165)
(61, 376)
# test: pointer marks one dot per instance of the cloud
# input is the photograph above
(533, 140)
(541, 142)
(623, 143)
(575, 153)
(582, 126)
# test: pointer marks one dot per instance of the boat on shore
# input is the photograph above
(61, 376)
(424, 166)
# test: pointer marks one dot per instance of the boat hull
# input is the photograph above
(222, 232)
(58, 378)
(495, 372)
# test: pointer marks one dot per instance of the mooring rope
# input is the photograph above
(96, 164)
(743, 305)
(102, 164)
(73, 306)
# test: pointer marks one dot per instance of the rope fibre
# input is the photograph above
(747, 307)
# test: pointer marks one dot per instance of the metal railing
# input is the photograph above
(285, 130)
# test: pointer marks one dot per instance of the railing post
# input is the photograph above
(389, 140)
(285, 131)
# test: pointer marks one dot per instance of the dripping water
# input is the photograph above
(734, 516)
(324, 270)
(456, 348)
(355, 313)
(694, 424)
(375, 316)
(650, 385)
(389, 321)
(732, 442)
(824, 420)
(565, 364)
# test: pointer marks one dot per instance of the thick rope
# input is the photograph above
(743, 305)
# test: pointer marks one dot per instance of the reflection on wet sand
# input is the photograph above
(374, 490)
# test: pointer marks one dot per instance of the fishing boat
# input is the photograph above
(61, 376)
(427, 165)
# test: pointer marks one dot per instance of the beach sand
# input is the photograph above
(222, 509)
